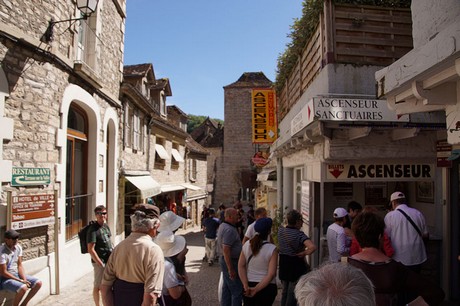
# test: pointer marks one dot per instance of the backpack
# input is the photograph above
(82, 236)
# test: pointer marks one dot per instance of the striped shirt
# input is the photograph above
(291, 240)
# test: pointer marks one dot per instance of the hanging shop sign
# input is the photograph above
(344, 109)
(379, 172)
(30, 176)
(32, 210)
(264, 123)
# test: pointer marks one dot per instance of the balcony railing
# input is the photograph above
(348, 34)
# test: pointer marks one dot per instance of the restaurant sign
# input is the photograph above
(32, 210)
(379, 172)
(30, 176)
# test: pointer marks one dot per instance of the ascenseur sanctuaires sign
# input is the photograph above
(344, 109)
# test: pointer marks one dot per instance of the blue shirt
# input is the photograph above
(211, 226)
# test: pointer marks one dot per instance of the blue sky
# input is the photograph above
(202, 46)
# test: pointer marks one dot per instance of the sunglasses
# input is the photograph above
(102, 213)
(14, 238)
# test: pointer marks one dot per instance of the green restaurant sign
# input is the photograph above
(30, 176)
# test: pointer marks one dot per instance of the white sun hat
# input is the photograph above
(170, 244)
(170, 221)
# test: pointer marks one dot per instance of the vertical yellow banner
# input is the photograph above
(264, 123)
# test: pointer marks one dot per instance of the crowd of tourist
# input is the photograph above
(373, 260)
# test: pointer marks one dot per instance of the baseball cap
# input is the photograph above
(397, 195)
(11, 234)
(263, 225)
(340, 212)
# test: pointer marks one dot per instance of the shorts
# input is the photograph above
(13, 285)
(98, 273)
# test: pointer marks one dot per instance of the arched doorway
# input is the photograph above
(77, 197)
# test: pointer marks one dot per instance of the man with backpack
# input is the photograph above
(99, 247)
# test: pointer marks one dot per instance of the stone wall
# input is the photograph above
(37, 74)
(238, 148)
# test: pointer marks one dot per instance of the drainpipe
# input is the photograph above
(279, 185)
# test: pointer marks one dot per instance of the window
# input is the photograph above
(76, 172)
(177, 158)
(128, 125)
(87, 51)
(160, 153)
(135, 130)
(193, 170)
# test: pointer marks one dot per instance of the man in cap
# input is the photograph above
(337, 241)
(406, 228)
(134, 272)
(13, 276)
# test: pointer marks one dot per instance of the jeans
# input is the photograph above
(232, 290)
(288, 297)
(210, 248)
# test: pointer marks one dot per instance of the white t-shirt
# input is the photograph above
(257, 268)
(170, 279)
(337, 242)
(407, 243)
(250, 232)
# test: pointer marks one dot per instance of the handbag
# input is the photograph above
(184, 300)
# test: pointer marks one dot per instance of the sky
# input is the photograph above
(204, 45)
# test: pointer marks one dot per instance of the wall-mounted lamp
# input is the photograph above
(86, 7)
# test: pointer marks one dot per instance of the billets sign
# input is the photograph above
(32, 210)
(264, 123)
(379, 172)
(30, 176)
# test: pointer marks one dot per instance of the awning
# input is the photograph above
(146, 184)
(191, 186)
(169, 188)
(264, 174)
(161, 151)
(177, 156)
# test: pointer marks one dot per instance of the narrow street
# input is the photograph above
(203, 279)
(202, 286)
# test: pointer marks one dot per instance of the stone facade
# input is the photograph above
(43, 79)
(234, 170)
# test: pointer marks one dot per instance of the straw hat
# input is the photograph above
(170, 244)
(170, 221)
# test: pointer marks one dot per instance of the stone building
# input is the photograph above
(210, 135)
(59, 123)
(153, 157)
(338, 142)
(235, 175)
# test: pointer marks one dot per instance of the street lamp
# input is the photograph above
(86, 7)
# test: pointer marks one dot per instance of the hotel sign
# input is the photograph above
(264, 124)
(379, 172)
(344, 109)
(30, 176)
(32, 210)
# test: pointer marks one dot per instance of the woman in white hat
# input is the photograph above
(170, 221)
(174, 248)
